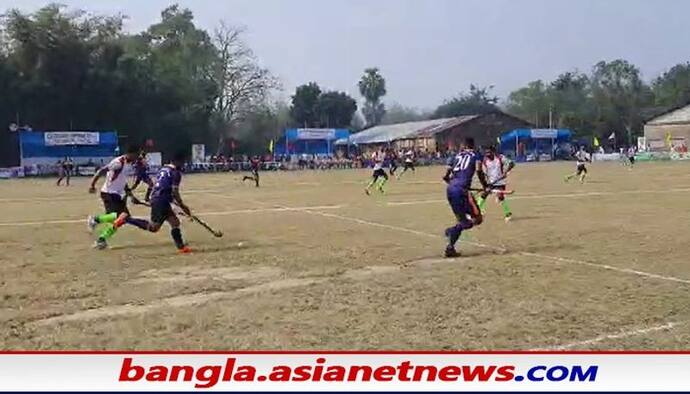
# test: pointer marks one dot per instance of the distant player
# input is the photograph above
(141, 173)
(582, 158)
(255, 164)
(408, 162)
(631, 156)
(114, 196)
(461, 170)
(379, 176)
(166, 191)
(65, 168)
(393, 161)
(496, 167)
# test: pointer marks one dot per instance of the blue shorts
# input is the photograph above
(161, 210)
(461, 202)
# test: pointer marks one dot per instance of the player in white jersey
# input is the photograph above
(496, 167)
(114, 195)
(379, 176)
(631, 156)
(582, 158)
(408, 163)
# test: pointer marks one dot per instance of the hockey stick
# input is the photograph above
(194, 218)
(494, 191)
(216, 233)
(199, 221)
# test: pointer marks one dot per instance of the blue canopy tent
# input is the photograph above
(309, 141)
(522, 144)
(46, 147)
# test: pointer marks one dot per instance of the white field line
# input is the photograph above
(620, 335)
(602, 338)
(216, 213)
(503, 250)
(545, 196)
(201, 298)
(83, 197)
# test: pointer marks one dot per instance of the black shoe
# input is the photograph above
(451, 252)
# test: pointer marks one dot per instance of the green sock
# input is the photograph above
(106, 217)
(381, 183)
(506, 208)
(480, 203)
(108, 232)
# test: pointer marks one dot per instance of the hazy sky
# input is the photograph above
(429, 50)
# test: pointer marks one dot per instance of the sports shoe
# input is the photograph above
(91, 223)
(366, 191)
(100, 244)
(508, 218)
(184, 250)
(451, 252)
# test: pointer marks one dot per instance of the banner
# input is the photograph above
(198, 153)
(55, 138)
(544, 133)
(606, 157)
(12, 172)
(6, 173)
(343, 371)
(315, 134)
(86, 170)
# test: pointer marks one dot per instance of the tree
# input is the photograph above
(619, 94)
(569, 98)
(242, 85)
(261, 125)
(372, 86)
(477, 101)
(530, 103)
(303, 110)
(335, 109)
(400, 114)
(672, 88)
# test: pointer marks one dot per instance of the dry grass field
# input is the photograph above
(308, 261)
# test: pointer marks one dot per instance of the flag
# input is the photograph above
(612, 136)
(270, 146)
(596, 142)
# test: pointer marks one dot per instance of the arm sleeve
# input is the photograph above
(114, 165)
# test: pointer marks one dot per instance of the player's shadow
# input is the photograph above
(526, 218)
(224, 248)
(168, 244)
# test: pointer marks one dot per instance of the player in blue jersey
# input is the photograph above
(461, 170)
(141, 173)
(166, 190)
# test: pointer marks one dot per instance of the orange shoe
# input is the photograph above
(184, 250)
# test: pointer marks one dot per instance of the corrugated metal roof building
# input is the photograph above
(671, 126)
(438, 134)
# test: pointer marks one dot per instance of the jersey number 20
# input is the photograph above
(463, 163)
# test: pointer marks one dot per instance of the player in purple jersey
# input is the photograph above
(459, 175)
(141, 169)
(165, 192)
(255, 164)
